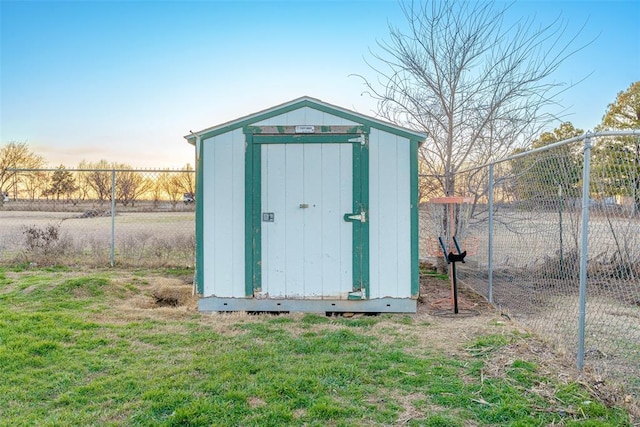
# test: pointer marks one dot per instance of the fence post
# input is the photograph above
(490, 249)
(582, 309)
(113, 216)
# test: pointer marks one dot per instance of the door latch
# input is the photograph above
(268, 217)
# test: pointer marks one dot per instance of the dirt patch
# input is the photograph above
(150, 297)
(256, 402)
(436, 298)
(172, 295)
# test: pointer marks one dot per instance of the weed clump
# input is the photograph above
(43, 244)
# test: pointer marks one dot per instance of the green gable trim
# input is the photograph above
(413, 176)
(363, 120)
(354, 117)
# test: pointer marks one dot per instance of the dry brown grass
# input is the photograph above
(142, 238)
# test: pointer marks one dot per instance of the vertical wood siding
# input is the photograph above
(223, 222)
(390, 225)
(307, 252)
(305, 116)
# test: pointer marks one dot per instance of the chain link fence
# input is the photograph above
(553, 236)
(557, 232)
(99, 217)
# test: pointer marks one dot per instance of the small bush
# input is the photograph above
(39, 239)
(45, 245)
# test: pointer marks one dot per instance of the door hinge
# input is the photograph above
(360, 138)
(355, 295)
(353, 217)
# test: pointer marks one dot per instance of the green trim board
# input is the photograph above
(199, 276)
(304, 129)
(248, 216)
(362, 169)
(305, 139)
(357, 246)
(365, 202)
(253, 203)
(256, 220)
(311, 103)
(253, 225)
(413, 176)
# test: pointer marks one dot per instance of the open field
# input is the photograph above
(123, 347)
(141, 238)
(523, 238)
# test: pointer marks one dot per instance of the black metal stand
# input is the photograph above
(452, 259)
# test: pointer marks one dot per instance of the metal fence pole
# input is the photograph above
(113, 216)
(584, 250)
(490, 249)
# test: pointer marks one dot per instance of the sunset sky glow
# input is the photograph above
(125, 80)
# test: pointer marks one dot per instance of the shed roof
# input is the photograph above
(301, 102)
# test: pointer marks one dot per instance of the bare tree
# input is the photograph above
(168, 186)
(33, 184)
(84, 189)
(130, 185)
(98, 179)
(185, 180)
(478, 86)
(16, 155)
(174, 186)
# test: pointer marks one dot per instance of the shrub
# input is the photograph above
(43, 244)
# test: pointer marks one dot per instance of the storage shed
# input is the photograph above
(307, 206)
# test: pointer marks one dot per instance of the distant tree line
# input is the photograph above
(92, 182)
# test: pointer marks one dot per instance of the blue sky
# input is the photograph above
(124, 80)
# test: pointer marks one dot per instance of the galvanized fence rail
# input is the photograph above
(558, 237)
(99, 217)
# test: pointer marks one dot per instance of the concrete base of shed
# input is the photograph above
(381, 305)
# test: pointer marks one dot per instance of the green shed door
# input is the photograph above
(310, 222)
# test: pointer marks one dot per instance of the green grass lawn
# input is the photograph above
(82, 348)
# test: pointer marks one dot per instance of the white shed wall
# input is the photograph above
(223, 215)
(389, 216)
(223, 197)
(305, 116)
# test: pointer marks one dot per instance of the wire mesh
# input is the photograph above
(448, 219)
(78, 217)
(536, 248)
